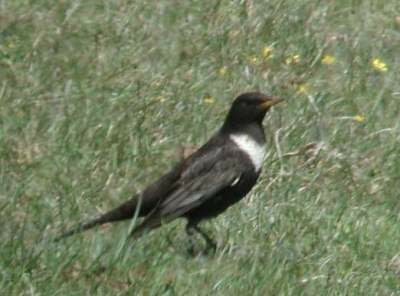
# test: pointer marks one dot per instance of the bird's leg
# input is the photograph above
(190, 233)
(210, 243)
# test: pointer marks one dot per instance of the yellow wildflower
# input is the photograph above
(328, 59)
(208, 99)
(253, 60)
(161, 99)
(303, 88)
(359, 118)
(379, 65)
(267, 52)
(222, 71)
(293, 59)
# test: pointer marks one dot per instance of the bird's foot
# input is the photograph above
(191, 252)
(211, 248)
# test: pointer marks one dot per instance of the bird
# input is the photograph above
(207, 182)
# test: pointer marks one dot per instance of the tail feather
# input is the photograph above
(80, 228)
(123, 212)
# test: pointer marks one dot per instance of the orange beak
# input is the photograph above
(270, 102)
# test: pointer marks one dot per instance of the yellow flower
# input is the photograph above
(267, 52)
(359, 118)
(208, 99)
(161, 99)
(303, 88)
(379, 65)
(328, 59)
(253, 60)
(222, 71)
(293, 59)
(157, 82)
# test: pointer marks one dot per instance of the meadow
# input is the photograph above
(97, 99)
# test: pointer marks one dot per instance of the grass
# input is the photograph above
(96, 96)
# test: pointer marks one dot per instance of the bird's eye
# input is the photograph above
(247, 103)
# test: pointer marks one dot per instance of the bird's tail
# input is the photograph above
(123, 212)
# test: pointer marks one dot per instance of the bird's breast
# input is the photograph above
(254, 150)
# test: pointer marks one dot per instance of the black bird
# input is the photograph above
(206, 183)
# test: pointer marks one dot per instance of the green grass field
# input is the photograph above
(97, 96)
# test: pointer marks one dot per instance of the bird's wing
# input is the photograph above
(201, 180)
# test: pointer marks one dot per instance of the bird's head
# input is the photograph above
(250, 108)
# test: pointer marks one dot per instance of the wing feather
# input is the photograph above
(200, 181)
